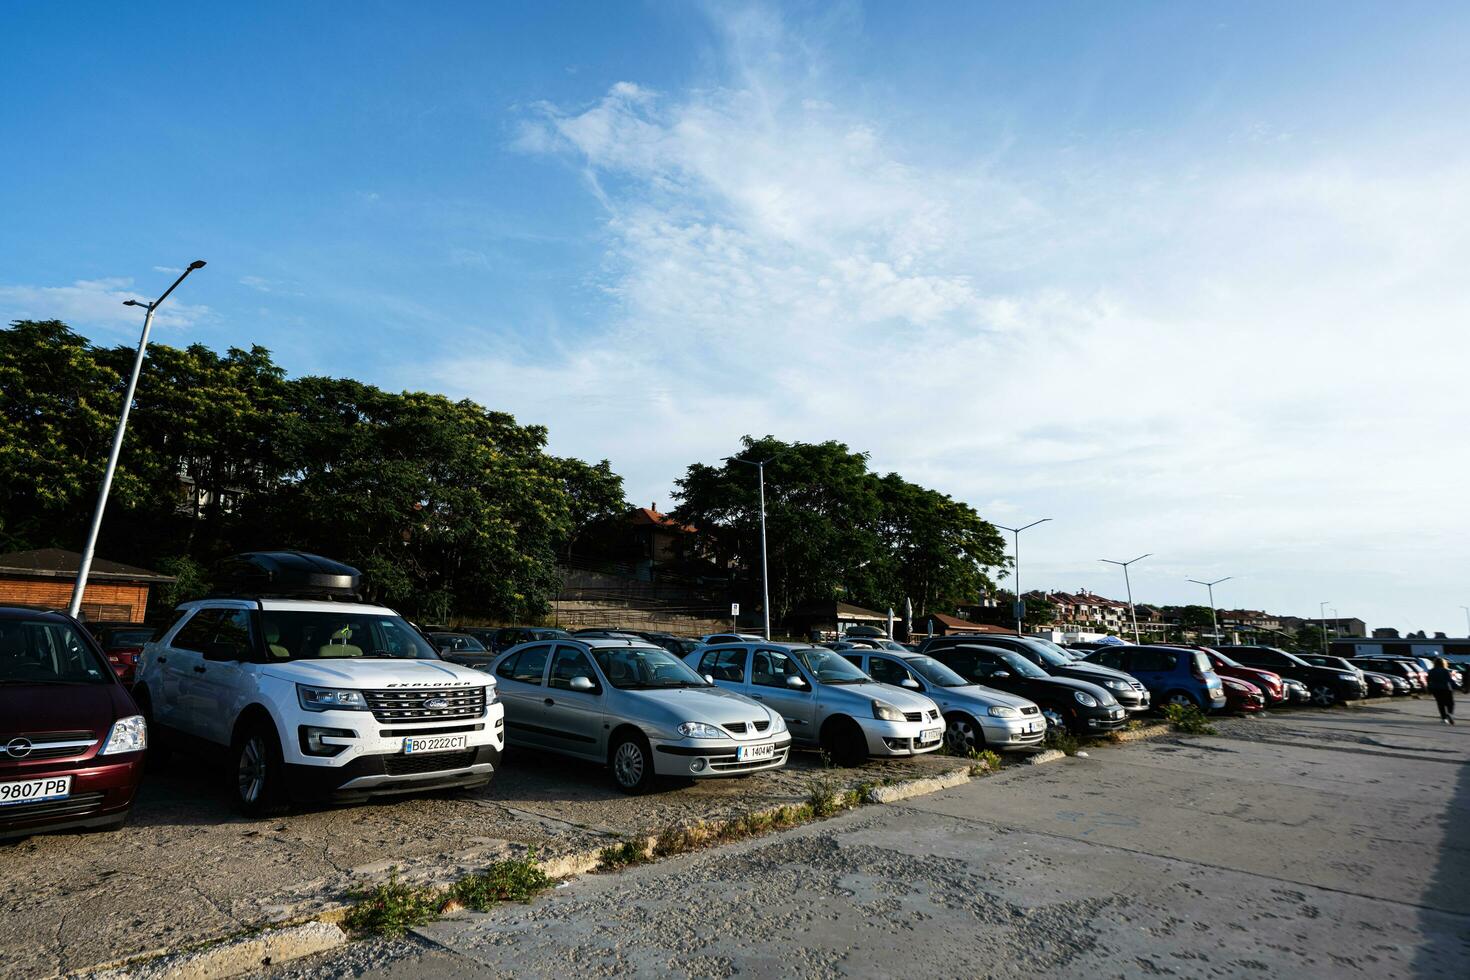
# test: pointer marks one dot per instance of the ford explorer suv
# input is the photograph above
(311, 695)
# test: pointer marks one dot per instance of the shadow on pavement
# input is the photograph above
(1446, 951)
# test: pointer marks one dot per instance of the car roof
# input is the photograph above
(44, 615)
(289, 605)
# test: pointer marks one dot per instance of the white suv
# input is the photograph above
(318, 700)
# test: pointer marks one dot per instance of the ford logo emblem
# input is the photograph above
(18, 748)
(436, 703)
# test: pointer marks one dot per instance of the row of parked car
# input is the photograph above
(305, 693)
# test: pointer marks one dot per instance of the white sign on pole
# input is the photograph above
(734, 609)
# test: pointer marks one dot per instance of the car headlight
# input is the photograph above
(1001, 711)
(1117, 685)
(698, 729)
(886, 712)
(1347, 677)
(330, 699)
(128, 734)
(1085, 699)
(778, 724)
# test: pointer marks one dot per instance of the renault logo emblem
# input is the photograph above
(18, 748)
(436, 703)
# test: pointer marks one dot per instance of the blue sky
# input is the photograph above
(1186, 279)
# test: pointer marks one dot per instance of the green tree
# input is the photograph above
(1195, 617)
(594, 496)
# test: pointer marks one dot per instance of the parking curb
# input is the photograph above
(1142, 734)
(235, 956)
(1041, 758)
(917, 787)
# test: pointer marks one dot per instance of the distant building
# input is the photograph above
(1385, 633)
(116, 593)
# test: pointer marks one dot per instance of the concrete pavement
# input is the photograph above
(1317, 844)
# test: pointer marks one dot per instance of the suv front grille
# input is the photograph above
(412, 765)
(412, 704)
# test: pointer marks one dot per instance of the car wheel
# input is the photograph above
(844, 742)
(962, 734)
(1181, 698)
(259, 772)
(1323, 696)
(631, 764)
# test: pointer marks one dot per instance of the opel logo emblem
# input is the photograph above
(436, 703)
(19, 748)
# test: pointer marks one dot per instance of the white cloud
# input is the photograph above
(1232, 360)
(93, 303)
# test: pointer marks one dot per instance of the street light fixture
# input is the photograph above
(1017, 579)
(1214, 623)
(83, 570)
(1322, 615)
(1129, 585)
(760, 466)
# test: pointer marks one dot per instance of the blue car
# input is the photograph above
(1172, 675)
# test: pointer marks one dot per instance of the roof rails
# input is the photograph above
(287, 575)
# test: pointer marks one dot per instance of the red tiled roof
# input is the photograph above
(647, 515)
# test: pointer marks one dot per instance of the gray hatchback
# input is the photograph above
(635, 707)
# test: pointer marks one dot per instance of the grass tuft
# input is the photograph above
(822, 796)
(392, 908)
(1058, 738)
(1188, 719)
(622, 855)
(504, 881)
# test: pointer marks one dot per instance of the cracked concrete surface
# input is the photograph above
(1196, 857)
(187, 869)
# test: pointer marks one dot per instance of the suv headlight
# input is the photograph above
(1085, 699)
(128, 734)
(886, 712)
(1001, 711)
(698, 729)
(330, 699)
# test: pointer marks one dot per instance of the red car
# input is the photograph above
(123, 645)
(71, 740)
(1242, 695)
(1267, 682)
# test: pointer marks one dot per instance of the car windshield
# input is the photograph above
(40, 652)
(935, 672)
(829, 667)
(298, 635)
(1223, 660)
(459, 641)
(1051, 658)
(644, 668)
(127, 638)
(1020, 665)
(1055, 650)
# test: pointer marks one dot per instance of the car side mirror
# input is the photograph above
(909, 683)
(1000, 675)
(709, 680)
(795, 681)
(580, 683)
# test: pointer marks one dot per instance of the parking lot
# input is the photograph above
(1322, 844)
(188, 869)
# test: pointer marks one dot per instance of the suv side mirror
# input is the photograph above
(795, 681)
(580, 683)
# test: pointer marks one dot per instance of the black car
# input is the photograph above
(1132, 695)
(1328, 685)
(1405, 670)
(498, 639)
(1082, 707)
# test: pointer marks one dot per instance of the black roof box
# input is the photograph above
(292, 574)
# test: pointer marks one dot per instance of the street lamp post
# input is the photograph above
(1214, 623)
(760, 467)
(1132, 615)
(75, 607)
(1467, 619)
(1322, 616)
(1017, 579)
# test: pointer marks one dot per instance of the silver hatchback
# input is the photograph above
(635, 707)
(825, 700)
(975, 717)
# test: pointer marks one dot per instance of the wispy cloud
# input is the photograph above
(1181, 355)
(89, 303)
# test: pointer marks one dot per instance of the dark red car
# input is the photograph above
(123, 645)
(1268, 682)
(1242, 695)
(71, 740)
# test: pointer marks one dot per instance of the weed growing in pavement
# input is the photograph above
(391, 909)
(822, 796)
(504, 881)
(986, 760)
(1188, 719)
(622, 855)
(1058, 738)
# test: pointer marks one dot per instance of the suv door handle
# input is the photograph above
(198, 670)
(548, 702)
(163, 660)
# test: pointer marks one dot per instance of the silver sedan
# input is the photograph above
(975, 717)
(636, 708)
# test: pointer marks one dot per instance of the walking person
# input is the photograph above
(1443, 689)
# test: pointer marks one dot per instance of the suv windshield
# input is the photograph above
(830, 667)
(1020, 665)
(298, 635)
(935, 672)
(644, 668)
(40, 652)
(1057, 651)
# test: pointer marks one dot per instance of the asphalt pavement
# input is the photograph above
(1311, 844)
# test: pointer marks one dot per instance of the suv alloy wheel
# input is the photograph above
(1323, 696)
(259, 772)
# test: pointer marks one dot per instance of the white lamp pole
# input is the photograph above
(1129, 586)
(75, 607)
(1214, 623)
(760, 466)
(1016, 580)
